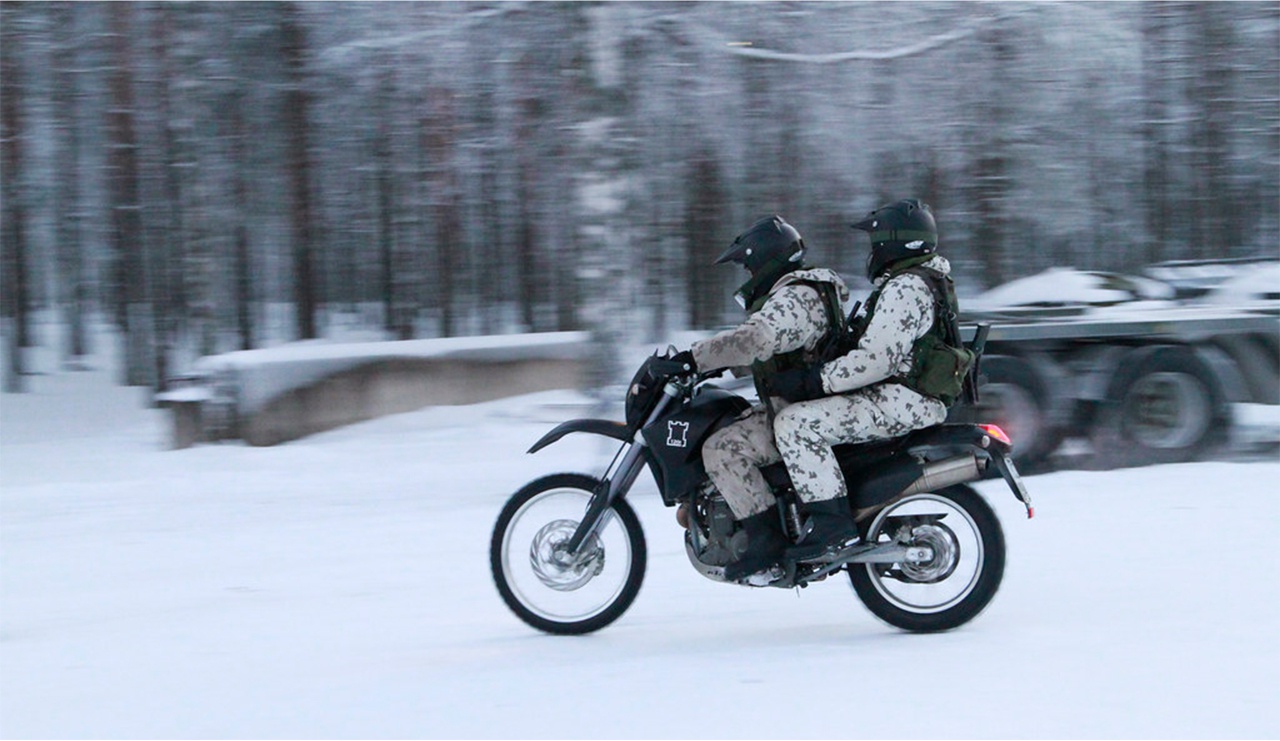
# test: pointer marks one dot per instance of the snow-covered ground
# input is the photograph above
(338, 586)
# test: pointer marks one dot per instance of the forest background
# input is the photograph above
(218, 176)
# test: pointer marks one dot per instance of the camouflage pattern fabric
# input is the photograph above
(865, 407)
(903, 314)
(804, 432)
(791, 318)
(733, 456)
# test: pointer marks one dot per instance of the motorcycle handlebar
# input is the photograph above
(668, 368)
(671, 368)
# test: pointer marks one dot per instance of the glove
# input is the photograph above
(798, 385)
(686, 357)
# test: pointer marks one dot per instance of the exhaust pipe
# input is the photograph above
(936, 475)
(944, 473)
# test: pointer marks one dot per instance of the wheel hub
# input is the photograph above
(552, 563)
(938, 544)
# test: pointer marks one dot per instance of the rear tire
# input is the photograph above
(545, 588)
(963, 577)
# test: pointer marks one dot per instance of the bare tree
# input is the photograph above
(72, 278)
(990, 166)
(12, 140)
(706, 215)
(132, 302)
(492, 167)
(298, 126)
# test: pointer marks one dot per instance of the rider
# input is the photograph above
(791, 309)
(870, 392)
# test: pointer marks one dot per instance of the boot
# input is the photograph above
(832, 526)
(765, 545)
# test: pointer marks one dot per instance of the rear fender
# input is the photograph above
(971, 446)
(606, 427)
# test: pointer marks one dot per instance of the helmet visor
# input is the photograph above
(737, 252)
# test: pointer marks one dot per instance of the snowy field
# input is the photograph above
(338, 586)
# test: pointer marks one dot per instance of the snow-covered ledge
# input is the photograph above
(283, 393)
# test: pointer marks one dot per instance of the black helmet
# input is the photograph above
(899, 231)
(769, 249)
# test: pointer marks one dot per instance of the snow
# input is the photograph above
(338, 586)
(1060, 286)
(1260, 285)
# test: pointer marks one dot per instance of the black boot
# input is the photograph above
(765, 544)
(832, 526)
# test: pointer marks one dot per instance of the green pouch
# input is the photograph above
(939, 369)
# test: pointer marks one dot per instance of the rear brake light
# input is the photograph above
(997, 433)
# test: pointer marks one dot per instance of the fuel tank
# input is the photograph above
(675, 440)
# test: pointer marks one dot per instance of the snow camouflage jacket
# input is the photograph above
(903, 314)
(792, 318)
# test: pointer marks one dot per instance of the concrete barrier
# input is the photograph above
(398, 385)
(270, 396)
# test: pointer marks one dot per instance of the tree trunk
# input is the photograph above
(704, 218)
(438, 137)
(13, 235)
(133, 309)
(74, 292)
(1156, 148)
(243, 259)
(991, 167)
(298, 131)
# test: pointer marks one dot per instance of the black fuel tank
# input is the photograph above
(675, 440)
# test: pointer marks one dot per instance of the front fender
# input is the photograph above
(607, 427)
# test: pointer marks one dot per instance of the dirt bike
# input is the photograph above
(568, 554)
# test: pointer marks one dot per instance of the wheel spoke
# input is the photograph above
(958, 554)
(544, 583)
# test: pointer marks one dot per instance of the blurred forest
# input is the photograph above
(217, 176)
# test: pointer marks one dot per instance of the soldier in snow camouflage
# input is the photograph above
(792, 319)
(861, 396)
(790, 314)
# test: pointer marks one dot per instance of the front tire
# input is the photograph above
(956, 584)
(540, 582)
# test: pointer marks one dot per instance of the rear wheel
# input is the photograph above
(960, 531)
(545, 585)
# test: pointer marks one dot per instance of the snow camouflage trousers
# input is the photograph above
(803, 436)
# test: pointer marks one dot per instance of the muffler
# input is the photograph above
(933, 476)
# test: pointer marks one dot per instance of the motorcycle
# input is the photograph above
(568, 554)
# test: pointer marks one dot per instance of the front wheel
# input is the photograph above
(965, 546)
(545, 585)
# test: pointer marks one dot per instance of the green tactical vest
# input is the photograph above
(939, 359)
(763, 371)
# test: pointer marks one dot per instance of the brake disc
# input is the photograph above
(552, 563)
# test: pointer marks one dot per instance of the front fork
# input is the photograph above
(606, 492)
(619, 477)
